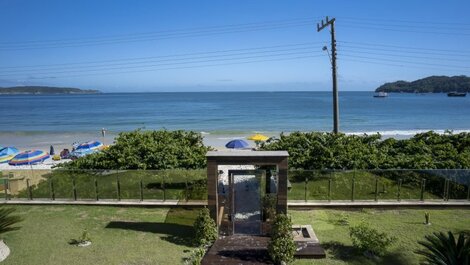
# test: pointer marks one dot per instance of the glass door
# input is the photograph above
(246, 193)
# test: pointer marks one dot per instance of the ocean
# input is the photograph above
(224, 115)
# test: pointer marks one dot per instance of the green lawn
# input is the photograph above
(130, 236)
(406, 225)
(144, 236)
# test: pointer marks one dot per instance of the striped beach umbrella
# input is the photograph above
(7, 153)
(29, 158)
(92, 145)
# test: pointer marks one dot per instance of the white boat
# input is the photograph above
(381, 95)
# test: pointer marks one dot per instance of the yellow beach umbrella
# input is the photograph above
(258, 137)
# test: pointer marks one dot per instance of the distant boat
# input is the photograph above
(381, 95)
(456, 94)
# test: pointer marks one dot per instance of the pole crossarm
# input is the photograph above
(325, 24)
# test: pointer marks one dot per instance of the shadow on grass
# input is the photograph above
(176, 234)
(177, 226)
(260, 256)
(351, 255)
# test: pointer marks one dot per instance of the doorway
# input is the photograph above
(246, 193)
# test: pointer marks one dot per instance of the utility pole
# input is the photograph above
(324, 24)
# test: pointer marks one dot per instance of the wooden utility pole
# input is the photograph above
(324, 24)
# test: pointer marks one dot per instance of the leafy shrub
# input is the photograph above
(369, 240)
(443, 249)
(282, 247)
(317, 150)
(148, 150)
(195, 258)
(205, 228)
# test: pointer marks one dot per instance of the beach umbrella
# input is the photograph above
(258, 137)
(237, 143)
(93, 145)
(51, 151)
(29, 158)
(7, 153)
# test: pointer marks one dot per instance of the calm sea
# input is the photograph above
(230, 113)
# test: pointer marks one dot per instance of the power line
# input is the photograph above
(391, 64)
(156, 36)
(162, 64)
(182, 67)
(402, 47)
(353, 50)
(407, 62)
(164, 31)
(261, 49)
(404, 30)
(405, 21)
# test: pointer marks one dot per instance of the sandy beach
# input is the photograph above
(60, 141)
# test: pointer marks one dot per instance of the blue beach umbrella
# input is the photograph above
(7, 153)
(92, 145)
(29, 158)
(237, 143)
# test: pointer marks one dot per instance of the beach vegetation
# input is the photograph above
(139, 149)
(445, 249)
(319, 150)
(281, 246)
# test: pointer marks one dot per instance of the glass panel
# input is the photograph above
(341, 185)
(296, 185)
(152, 182)
(107, 184)
(130, 184)
(246, 201)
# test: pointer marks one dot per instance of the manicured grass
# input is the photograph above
(406, 225)
(144, 236)
(134, 236)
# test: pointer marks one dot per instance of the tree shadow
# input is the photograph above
(175, 233)
(338, 250)
(176, 229)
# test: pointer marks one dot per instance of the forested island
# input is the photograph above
(44, 90)
(432, 84)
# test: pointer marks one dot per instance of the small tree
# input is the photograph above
(369, 240)
(442, 249)
(282, 247)
(7, 220)
(205, 228)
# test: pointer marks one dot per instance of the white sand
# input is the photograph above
(47, 164)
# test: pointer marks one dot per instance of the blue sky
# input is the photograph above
(136, 46)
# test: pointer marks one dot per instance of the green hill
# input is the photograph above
(45, 90)
(432, 84)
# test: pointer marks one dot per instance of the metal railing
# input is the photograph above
(190, 185)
